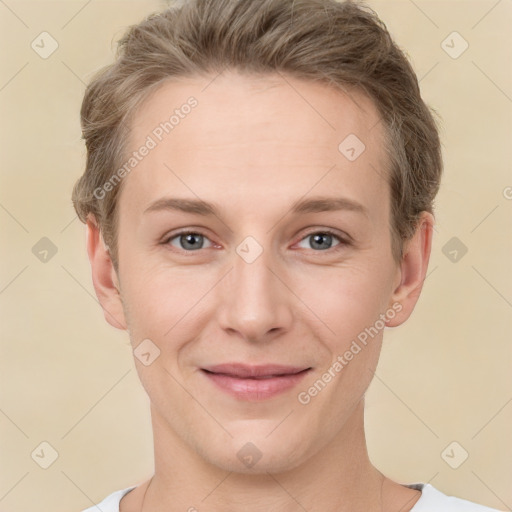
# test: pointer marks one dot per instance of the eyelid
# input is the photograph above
(186, 231)
(344, 239)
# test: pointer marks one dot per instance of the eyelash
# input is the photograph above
(343, 242)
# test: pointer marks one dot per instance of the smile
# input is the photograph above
(254, 383)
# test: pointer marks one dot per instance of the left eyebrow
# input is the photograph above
(325, 204)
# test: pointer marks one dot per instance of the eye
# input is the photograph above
(188, 241)
(323, 240)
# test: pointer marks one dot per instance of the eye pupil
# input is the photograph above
(187, 241)
(318, 238)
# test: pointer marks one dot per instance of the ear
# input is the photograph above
(413, 269)
(104, 277)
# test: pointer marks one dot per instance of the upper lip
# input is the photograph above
(246, 371)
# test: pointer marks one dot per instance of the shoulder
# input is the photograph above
(432, 499)
(110, 503)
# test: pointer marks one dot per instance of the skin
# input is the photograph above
(254, 146)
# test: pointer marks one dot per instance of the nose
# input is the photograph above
(254, 300)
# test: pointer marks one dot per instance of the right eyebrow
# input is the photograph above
(184, 205)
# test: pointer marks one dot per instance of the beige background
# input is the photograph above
(68, 378)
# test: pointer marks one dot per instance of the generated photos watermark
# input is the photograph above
(305, 397)
(152, 140)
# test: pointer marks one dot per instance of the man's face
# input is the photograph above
(259, 283)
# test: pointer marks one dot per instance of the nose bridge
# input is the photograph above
(252, 302)
(251, 274)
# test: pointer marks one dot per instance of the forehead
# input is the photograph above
(247, 101)
(254, 131)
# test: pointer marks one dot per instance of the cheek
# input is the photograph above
(161, 301)
(346, 300)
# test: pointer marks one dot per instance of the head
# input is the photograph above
(302, 126)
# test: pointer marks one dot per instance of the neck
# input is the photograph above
(338, 477)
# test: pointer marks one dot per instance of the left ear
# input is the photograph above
(413, 269)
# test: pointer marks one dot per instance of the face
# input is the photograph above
(255, 261)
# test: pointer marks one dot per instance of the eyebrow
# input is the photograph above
(313, 205)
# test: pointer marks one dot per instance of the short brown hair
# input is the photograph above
(343, 44)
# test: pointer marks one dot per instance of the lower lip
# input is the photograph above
(255, 389)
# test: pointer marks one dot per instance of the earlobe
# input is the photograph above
(413, 269)
(104, 276)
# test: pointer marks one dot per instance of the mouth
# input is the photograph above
(255, 383)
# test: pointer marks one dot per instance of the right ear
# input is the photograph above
(104, 276)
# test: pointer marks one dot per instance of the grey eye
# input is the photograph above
(189, 241)
(321, 240)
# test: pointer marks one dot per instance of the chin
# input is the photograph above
(254, 454)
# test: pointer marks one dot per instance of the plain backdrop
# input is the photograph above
(442, 391)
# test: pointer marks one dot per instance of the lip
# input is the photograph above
(255, 383)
